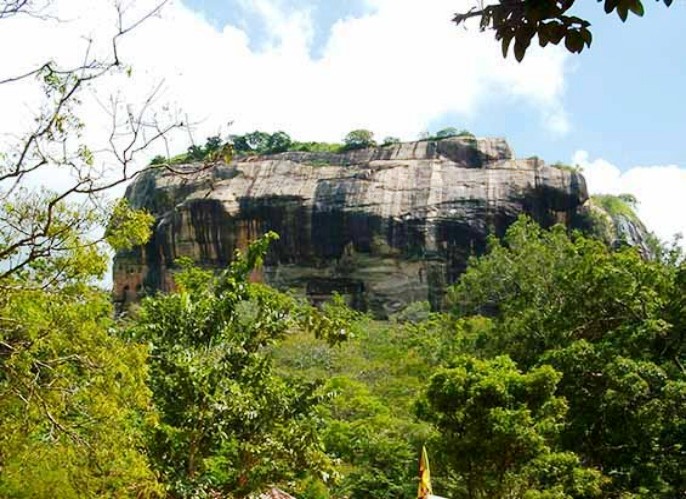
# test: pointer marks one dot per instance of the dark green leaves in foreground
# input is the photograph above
(517, 22)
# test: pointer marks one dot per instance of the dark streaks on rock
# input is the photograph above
(383, 226)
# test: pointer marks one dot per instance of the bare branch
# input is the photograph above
(9, 8)
(39, 227)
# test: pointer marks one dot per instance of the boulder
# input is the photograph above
(382, 226)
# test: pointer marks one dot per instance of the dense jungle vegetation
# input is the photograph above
(557, 371)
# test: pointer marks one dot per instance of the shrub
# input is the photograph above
(359, 139)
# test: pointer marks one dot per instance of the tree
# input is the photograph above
(214, 151)
(279, 142)
(447, 132)
(608, 321)
(228, 423)
(498, 429)
(38, 222)
(375, 446)
(213, 144)
(358, 139)
(73, 400)
(195, 153)
(258, 141)
(548, 20)
(240, 144)
(9, 8)
(390, 141)
(261, 143)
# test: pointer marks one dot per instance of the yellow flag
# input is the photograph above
(424, 490)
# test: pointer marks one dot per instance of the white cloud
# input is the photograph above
(660, 190)
(393, 70)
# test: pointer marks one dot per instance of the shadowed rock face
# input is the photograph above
(382, 226)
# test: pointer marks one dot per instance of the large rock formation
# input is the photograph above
(383, 226)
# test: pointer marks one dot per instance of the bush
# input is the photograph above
(447, 133)
(316, 147)
(414, 313)
(568, 168)
(390, 141)
(358, 139)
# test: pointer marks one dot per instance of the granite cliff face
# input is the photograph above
(383, 226)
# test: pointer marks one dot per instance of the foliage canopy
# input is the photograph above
(611, 322)
(497, 431)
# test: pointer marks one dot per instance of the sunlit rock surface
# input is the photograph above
(383, 226)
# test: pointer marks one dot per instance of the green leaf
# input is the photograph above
(637, 7)
(507, 39)
(574, 42)
(610, 5)
(623, 9)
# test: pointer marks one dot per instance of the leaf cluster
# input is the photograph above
(449, 132)
(519, 21)
(262, 143)
(358, 139)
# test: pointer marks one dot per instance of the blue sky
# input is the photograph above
(325, 14)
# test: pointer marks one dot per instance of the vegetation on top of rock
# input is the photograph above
(390, 141)
(452, 132)
(565, 167)
(617, 205)
(358, 139)
(610, 217)
(322, 147)
(447, 133)
(260, 143)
